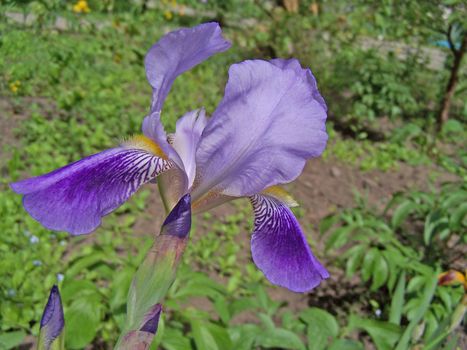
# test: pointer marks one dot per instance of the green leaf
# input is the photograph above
(200, 285)
(77, 288)
(119, 288)
(397, 302)
(367, 266)
(380, 272)
(85, 263)
(458, 217)
(326, 223)
(243, 304)
(279, 338)
(175, 340)
(339, 237)
(428, 293)
(346, 344)
(222, 308)
(322, 326)
(210, 336)
(383, 334)
(82, 323)
(402, 211)
(11, 340)
(355, 255)
(244, 336)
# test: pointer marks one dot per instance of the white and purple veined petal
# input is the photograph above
(75, 198)
(279, 247)
(177, 181)
(175, 53)
(186, 139)
(261, 134)
(52, 321)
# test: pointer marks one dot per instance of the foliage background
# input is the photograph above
(385, 209)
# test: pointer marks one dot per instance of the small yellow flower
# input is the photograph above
(81, 7)
(14, 86)
(168, 15)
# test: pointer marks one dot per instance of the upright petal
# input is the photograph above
(75, 197)
(306, 73)
(186, 139)
(261, 134)
(279, 247)
(177, 52)
(52, 321)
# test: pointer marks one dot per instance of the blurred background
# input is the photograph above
(384, 208)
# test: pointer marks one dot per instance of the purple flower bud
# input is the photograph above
(151, 319)
(178, 222)
(52, 321)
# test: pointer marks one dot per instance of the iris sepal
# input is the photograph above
(279, 247)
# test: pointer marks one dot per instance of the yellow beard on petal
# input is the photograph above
(144, 143)
(282, 195)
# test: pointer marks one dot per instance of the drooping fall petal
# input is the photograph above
(279, 247)
(75, 198)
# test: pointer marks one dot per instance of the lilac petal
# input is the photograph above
(178, 222)
(279, 247)
(265, 128)
(52, 321)
(306, 73)
(177, 52)
(188, 133)
(75, 197)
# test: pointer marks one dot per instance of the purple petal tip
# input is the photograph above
(53, 315)
(152, 319)
(178, 222)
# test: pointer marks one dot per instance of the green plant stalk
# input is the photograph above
(430, 289)
(151, 283)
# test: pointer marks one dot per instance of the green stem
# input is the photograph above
(152, 281)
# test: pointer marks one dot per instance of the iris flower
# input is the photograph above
(270, 121)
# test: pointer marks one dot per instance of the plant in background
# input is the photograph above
(270, 121)
(387, 254)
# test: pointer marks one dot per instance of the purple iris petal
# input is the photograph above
(152, 127)
(75, 197)
(151, 319)
(52, 321)
(306, 73)
(177, 52)
(178, 222)
(261, 134)
(186, 139)
(279, 247)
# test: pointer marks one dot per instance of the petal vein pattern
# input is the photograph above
(279, 247)
(266, 127)
(75, 197)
